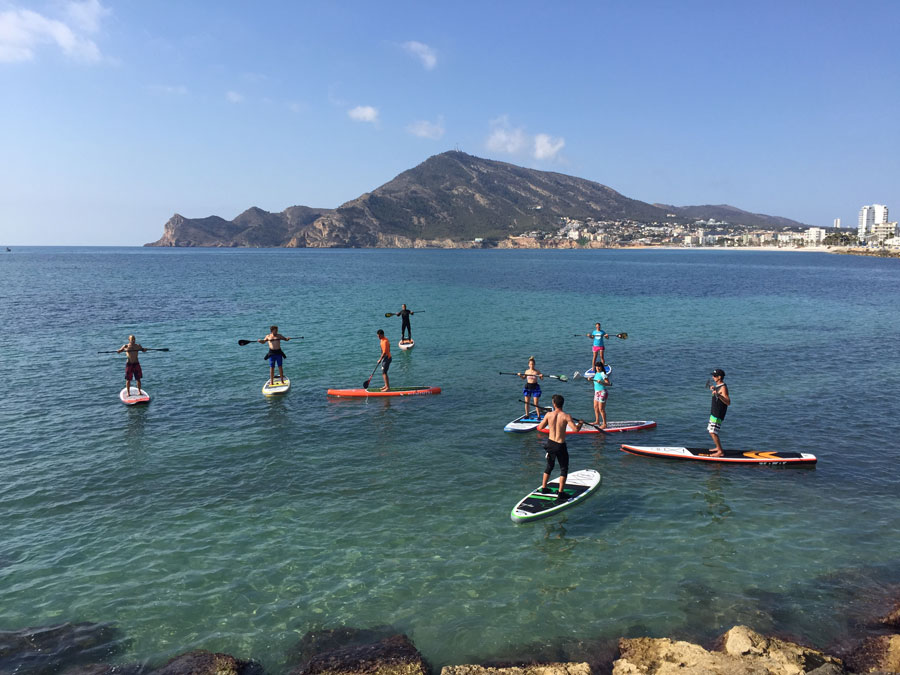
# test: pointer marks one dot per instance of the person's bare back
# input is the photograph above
(556, 422)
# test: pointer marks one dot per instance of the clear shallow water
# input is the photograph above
(216, 518)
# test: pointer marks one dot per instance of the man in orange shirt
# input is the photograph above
(385, 359)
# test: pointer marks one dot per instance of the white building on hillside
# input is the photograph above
(869, 217)
(814, 236)
(882, 232)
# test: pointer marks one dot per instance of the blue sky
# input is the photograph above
(115, 115)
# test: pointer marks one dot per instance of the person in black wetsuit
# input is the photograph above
(405, 329)
(720, 402)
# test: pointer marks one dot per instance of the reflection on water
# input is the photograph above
(135, 426)
(717, 509)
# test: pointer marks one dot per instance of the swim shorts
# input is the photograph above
(385, 364)
(133, 370)
(532, 389)
(601, 395)
(276, 360)
(598, 349)
(557, 451)
(714, 425)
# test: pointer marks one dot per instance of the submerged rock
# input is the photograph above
(324, 640)
(395, 655)
(876, 654)
(892, 618)
(51, 649)
(202, 662)
(744, 652)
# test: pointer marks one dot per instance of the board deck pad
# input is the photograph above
(523, 424)
(579, 486)
(134, 398)
(277, 388)
(730, 456)
(611, 427)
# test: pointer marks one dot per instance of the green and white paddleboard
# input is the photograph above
(579, 486)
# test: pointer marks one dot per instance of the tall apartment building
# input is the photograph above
(837, 223)
(869, 217)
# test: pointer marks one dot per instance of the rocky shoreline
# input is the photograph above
(91, 649)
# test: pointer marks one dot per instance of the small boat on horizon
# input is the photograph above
(8, 249)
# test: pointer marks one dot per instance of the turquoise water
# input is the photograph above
(217, 518)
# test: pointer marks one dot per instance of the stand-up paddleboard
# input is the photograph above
(579, 486)
(730, 457)
(393, 391)
(134, 398)
(611, 427)
(406, 344)
(523, 423)
(277, 388)
(590, 372)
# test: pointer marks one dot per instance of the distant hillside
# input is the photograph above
(449, 198)
(730, 214)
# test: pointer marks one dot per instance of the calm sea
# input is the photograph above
(217, 518)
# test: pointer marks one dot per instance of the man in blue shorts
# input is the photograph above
(275, 356)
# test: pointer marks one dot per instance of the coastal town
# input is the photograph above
(874, 232)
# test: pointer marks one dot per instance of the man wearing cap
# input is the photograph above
(720, 402)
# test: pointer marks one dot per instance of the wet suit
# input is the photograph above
(405, 328)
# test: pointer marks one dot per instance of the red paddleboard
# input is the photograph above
(375, 391)
(730, 456)
(134, 398)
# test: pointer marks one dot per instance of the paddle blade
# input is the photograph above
(563, 378)
(366, 384)
(387, 315)
(245, 342)
(622, 336)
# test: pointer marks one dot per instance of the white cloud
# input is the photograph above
(505, 138)
(426, 129)
(234, 97)
(23, 31)
(547, 147)
(86, 15)
(363, 113)
(423, 52)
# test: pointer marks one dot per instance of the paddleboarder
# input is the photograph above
(132, 365)
(555, 422)
(385, 359)
(601, 382)
(275, 356)
(598, 347)
(532, 388)
(720, 402)
(405, 328)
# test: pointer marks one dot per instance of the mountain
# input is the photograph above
(449, 198)
(730, 214)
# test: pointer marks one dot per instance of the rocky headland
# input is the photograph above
(92, 649)
(451, 200)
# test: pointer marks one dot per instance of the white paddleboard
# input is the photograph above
(277, 388)
(134, 398)
(579, 486)
(523, 423)
(406, 344)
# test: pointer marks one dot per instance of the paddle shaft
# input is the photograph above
(247, 342)
(146, 349)
(621, 336)
(366, 383)
(562, 378)
(388, 315)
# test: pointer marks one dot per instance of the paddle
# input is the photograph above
(621, 336)
(247, 342)
(577, 374)
(388, 315)
(366, 383)
(561, 378)
(147, 349)
(590, 424)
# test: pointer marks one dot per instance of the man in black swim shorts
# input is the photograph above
(556, 422)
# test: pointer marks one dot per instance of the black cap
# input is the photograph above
(718, 372)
